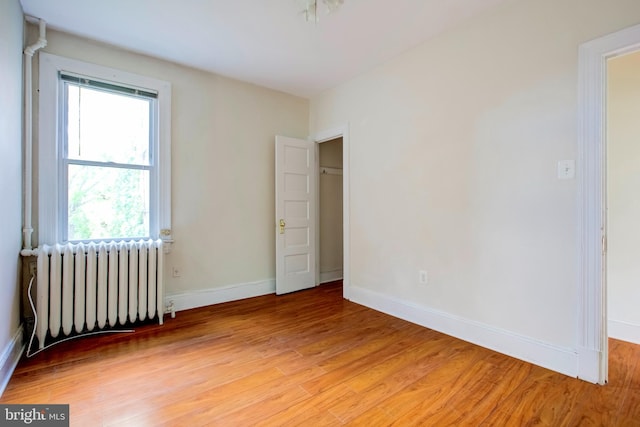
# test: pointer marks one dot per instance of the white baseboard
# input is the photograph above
(330, 276)
(559, 359)
(201, 298)
(624, 331)
(9, 359)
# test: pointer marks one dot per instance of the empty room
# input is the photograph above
(320, 212)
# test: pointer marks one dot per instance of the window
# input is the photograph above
(104, 154)
(107, 160)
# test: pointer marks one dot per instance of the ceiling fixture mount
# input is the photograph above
(313, 8)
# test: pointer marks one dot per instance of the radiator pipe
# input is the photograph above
(28, 138)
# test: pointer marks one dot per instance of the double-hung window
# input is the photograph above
(107, 159)
(104, 154)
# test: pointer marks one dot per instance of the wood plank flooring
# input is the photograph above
(314, 359)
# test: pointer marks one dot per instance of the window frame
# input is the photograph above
(52, 185)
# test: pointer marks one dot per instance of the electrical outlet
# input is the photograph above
(175, 272)
(423, 277)
(33, 268)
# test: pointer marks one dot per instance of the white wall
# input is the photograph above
(222, 168)
(454, 147)
(623, 180)
(330, 198)
(11, 39)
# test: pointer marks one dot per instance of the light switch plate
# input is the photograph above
(566, 169)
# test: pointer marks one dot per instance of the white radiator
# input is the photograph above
(82, 287)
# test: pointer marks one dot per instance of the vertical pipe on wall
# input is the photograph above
(28, 136)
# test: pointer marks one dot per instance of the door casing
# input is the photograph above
(592, 348)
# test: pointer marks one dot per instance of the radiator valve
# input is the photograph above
(171, 309)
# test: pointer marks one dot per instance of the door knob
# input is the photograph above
(282, 224)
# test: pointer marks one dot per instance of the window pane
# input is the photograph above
(107, 127)
(107, 203)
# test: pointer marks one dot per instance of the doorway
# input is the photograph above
(341, 132)
(330, 211)
(297, 212)
(592, 339)
(622, 199)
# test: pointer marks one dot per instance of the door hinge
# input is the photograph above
(604, 244)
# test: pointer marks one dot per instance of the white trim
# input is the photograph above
(326, 135)
(48, 195)
(624, 331)
(10, 358)
(540, 353)
(592, 315)
(330, 276)
(204, 297)
(589, 361)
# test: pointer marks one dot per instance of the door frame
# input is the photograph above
(320, 137)
(592, 348)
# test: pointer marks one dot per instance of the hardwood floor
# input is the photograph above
(314, 359)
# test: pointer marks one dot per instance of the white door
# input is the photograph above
(295, 214)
